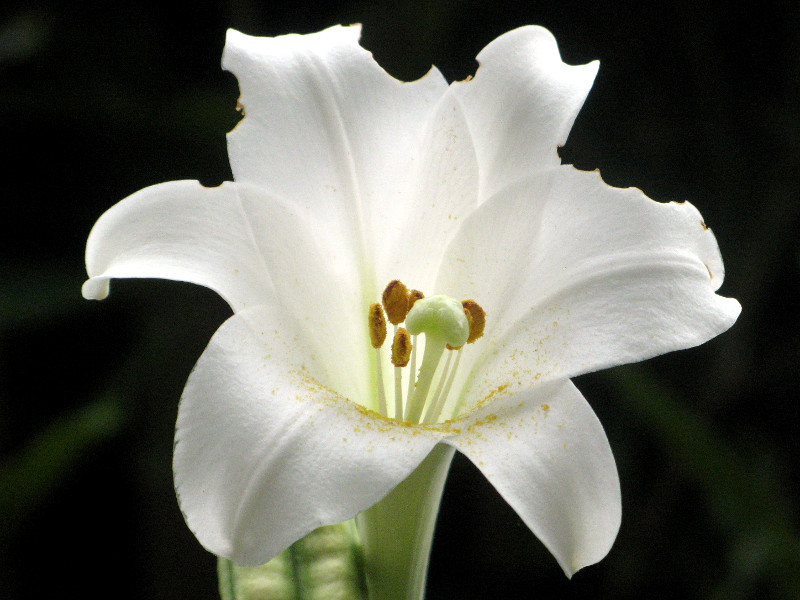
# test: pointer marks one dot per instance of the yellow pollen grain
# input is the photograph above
(476, 317)
(395, 301)
(401, 348)
(377, 325)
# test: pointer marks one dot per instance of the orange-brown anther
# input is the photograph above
(413, 296)
(377, 325)
(395, 301)
(476, 317)
(401, 348)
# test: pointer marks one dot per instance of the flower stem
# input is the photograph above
(324, 565)
(397, 533)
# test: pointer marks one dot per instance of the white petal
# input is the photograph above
(251, 248)
(326, 127)
(183, 231)
(442, 191)
(264, 453)
(577, 276)
(521, 105)
(546, 453)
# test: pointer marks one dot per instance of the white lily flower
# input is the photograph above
(346, 180)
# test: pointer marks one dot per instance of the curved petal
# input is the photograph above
(264, 453)
(326, 127)
(182, 231)
(251, 248)
(521, 105)
(546, 453)
(584, 276)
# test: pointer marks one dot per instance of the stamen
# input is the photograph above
(395, 301)
(401, 348)
(377, 335)
(377, 325)
(413, 296)
(447, 324)
(476, 317)
(401, 351)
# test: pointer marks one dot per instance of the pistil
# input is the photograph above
(443, 321)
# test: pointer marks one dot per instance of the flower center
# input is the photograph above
(447, 324)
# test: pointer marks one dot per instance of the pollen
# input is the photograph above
(395, 301)
(377, 325)
(401, 348)
(476, 317)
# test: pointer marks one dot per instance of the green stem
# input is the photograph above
(397, 533)
(324, 565)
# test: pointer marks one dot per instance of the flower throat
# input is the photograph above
(447, 324)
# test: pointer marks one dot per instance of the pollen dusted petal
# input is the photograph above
(545, 451)
(264, 453)
(584, 277)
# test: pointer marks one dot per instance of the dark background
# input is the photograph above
(694, 100)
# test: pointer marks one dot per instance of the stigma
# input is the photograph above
(447, 324)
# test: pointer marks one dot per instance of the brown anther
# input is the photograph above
(395, 301)
(377, 325)
(476, 317)
(413, 296)
(401, 348)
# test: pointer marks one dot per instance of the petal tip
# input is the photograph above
(95, 288)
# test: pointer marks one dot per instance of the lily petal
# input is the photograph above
(327, 127)
(182, 231)
(584, 276)
(264, 453)
(545, 451)
(521, 105)
(442, 191)
(253, 249)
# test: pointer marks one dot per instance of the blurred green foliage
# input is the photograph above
(694, 99)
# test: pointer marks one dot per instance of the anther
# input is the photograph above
(377, 325)
(401, 348)
(476, 317)
(395, 301)
(413, 296)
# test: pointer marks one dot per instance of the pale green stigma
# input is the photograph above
(440, 317)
